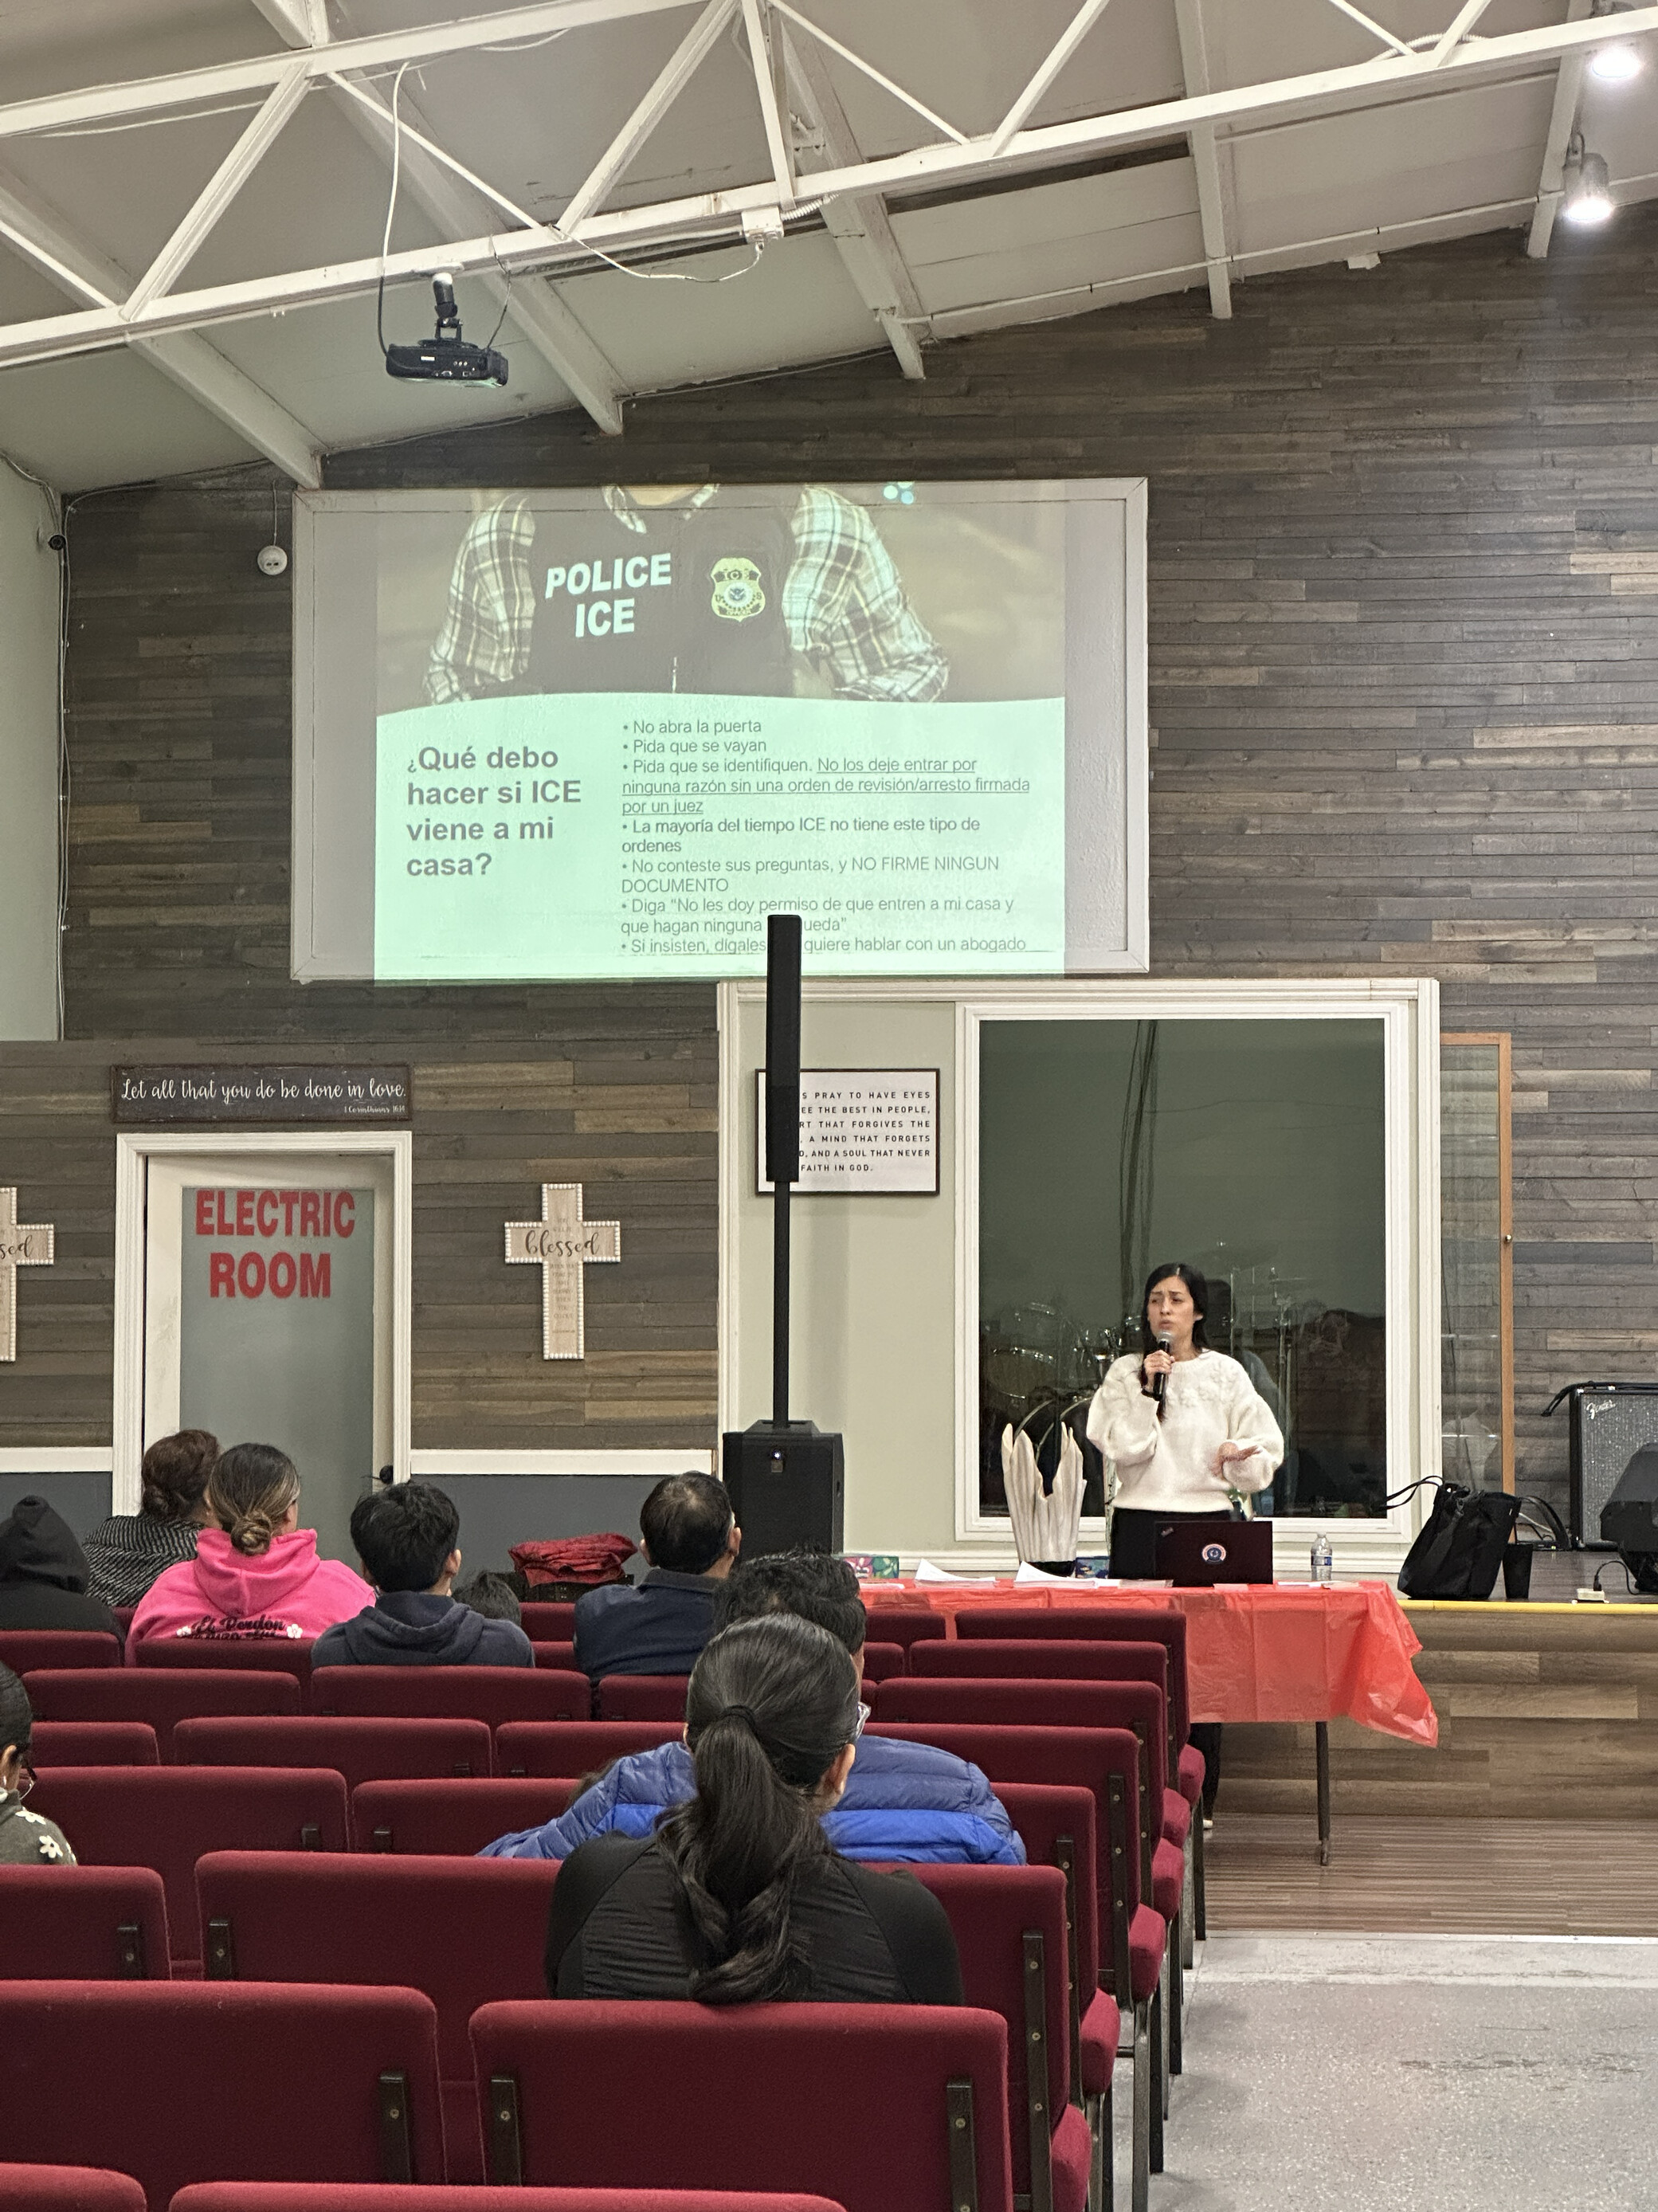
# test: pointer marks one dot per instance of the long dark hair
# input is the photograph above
(1197, 1284)
(772, 1703)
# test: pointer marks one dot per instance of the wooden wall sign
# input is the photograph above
(562, 1244)
(23, 1244)
(863, 1131)
(241, 1095)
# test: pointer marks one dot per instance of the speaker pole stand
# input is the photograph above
(787, 1478)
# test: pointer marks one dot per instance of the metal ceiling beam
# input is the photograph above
(220, 189)
(672, 79)
(1206, 160)
(376, 51)
(41, 234)
(710, 216)
(297, 22)
(1562, 121)
(1052, 63)
(768, 84)
(1466, 16)
(861, 229)
(533, 306)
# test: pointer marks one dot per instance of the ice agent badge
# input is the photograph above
(738, 592)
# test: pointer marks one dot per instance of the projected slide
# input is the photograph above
(604, 732)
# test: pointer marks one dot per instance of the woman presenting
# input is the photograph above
(1180, 1449)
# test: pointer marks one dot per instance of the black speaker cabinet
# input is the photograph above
(1610, 1422)
(787, 1487)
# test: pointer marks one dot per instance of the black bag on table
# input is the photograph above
(1459, 1553)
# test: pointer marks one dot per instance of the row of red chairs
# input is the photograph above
(871, 2106)
(94, 2189)
(467, 1933)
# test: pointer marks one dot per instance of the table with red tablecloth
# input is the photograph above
(1255, 1651)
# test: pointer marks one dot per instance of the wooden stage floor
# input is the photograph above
(1434, 1875)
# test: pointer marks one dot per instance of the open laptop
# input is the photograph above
(1198, 1554)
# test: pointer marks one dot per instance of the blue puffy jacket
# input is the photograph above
(903, 1801)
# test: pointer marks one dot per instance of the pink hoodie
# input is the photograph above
(285, 1591)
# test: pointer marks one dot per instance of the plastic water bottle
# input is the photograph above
(1323, 1560)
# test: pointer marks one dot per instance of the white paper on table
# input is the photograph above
(926, 1572)
(1029, 1574)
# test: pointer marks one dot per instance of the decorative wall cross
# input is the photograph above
(23, 1244)
(562, 1244)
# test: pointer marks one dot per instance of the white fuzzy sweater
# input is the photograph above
(1173, 1465)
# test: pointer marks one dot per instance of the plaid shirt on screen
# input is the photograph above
(844, 603)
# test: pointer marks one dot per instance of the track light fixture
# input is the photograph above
(1618, 60)
(1587, 199)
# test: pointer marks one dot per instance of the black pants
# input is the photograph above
(1134, 1559)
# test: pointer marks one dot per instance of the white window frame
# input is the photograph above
(1409, 1015)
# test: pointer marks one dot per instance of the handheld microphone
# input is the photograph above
(1165, 1344)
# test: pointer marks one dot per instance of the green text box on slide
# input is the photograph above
(615, 834)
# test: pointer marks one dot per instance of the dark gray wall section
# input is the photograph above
(83, 1499)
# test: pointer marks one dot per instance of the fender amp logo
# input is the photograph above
(738, 589)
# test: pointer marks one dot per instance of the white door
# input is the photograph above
(268, 1297)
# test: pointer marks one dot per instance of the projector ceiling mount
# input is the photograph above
(445, 358)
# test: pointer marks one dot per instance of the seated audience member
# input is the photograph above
(690, 1543)
(128, 1551)
(902, 1800)
(25, 1839)
(740, 1898)
(43, 1573)
(256, 1571)
(491, 1594)
(406, 1537)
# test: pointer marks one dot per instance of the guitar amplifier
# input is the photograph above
(1610, 1422)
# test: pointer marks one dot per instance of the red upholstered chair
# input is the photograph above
(68, 2189)
(562, 1750)
(859, 2101)
(165, 1817)
(1133, 1937)
(643, 1698)
(187, 2081)
(285, 1655)
(82, 1923)
(1010, 1928)
(361, 1749)
(556, 1653)
(1141, 1706)
(23, 1650)
(1055, 1824)
(883, 1661)
(94, 1743)
(161, 1697)
(490, 1694)
(347, 2197)
(544, 1621)
(451, 1819)
(465, 1931)
(1112, 1622)
(906, 1625)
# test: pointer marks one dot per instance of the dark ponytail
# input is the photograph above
(772, 1703)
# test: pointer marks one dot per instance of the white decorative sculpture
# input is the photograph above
(562, 1244)
(1046, 1526)
(23, 1244)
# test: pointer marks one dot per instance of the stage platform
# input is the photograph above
(1548, 1711)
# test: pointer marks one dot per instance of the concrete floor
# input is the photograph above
(1412, 2074)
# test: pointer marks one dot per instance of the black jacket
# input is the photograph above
(617, 1927)
(657, 1628)
(412, 1628)
(43, 1573)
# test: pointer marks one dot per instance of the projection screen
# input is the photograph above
(603, 732)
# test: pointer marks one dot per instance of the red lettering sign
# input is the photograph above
(244, 1213)
(204, 1212)
(345, 1214)
(267, 1199)
(282, 1275)
(311, 1213)
(222, 1274)
(314, 1268)
(249, 1274)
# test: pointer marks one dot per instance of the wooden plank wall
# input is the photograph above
(1404, 562)
(621, 1098)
